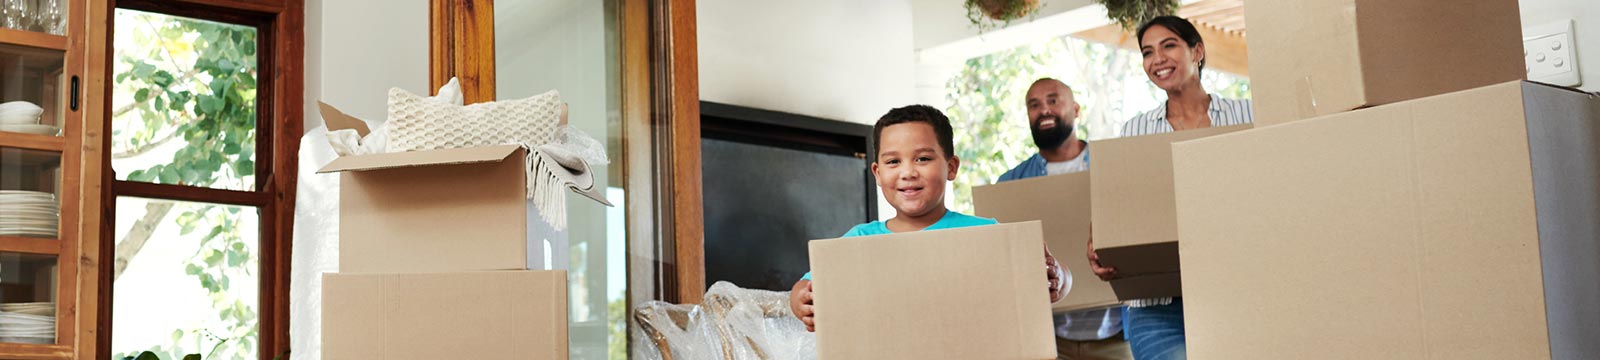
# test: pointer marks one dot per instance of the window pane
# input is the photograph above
(185, 280)
(29, 203)
(27, 298)
(183, 101)
(46, 16)
(588, 73)
(31, 90)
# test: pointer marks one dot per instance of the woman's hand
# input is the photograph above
(1104, 273)
(800, 304)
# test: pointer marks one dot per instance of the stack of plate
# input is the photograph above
(23, 117)
(26, 328)
(29, 213)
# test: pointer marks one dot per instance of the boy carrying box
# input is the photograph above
(915, 146)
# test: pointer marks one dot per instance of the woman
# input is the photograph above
(1173, 54)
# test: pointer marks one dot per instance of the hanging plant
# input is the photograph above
(1132, 13)
(989, 14)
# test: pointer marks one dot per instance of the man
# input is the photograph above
(1052, 111)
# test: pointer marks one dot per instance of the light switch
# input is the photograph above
(1549, 54)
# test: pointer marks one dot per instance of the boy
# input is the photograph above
(915, 147)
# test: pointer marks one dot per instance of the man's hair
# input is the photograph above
(918, 113)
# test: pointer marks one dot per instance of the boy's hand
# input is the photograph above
(800, 304)
(1057, 277)
(1104, 273)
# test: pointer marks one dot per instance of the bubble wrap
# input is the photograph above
(733, 324)
(420, 123)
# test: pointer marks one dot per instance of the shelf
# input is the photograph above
(32, 142)
(35, 351)
(33, 39)
(28, 245)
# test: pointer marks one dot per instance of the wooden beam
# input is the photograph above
(461, 45)
(679, 99)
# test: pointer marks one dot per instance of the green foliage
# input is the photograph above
(195, 81)
(1132, 13)
(617, 327)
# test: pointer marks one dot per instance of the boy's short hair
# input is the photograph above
(918, 113)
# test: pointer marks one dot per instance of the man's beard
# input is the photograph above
(1052, 137)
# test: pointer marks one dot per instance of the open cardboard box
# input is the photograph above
(439, 210)
(1061, 204)
(1459, 226)
(967, 293)
(1135, 222)
(463, 315)
(1318, 57)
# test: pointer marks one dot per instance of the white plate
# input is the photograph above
(35, 129)
(19, 106)
(49, 234)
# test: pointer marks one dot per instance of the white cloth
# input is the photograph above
(348, 142)
(1077, 164)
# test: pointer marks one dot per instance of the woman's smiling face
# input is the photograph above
(1169, 62)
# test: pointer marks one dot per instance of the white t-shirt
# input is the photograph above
(1066, 167)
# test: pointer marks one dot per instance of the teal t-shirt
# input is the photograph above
(950, 220)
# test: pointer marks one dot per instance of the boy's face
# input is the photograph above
(911, 168)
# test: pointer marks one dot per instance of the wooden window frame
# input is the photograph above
(280, 108)
(661, 129)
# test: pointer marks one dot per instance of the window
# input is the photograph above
(199, 240)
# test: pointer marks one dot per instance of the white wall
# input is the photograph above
(848, 60)
(357, 49)
(1586, 27)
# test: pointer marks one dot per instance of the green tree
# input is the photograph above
(192, 81)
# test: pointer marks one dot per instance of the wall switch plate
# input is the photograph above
(1548, 50)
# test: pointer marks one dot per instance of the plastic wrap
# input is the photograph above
(733, 324)
(316, 244)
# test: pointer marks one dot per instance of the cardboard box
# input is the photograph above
(1135, 222)
(438, 211)
(466, 315)
(1318, 57)
(1460, 226)
(966, 293)
(1061, 204)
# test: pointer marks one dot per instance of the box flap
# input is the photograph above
(1061, 204)
(334, 119)
(421, 158)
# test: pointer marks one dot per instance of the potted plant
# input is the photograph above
(986, 14)
(1132, 13)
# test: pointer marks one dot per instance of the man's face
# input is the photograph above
(1051, 113)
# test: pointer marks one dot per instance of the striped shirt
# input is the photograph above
(1223, 112)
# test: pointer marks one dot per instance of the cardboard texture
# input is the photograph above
(437, 211)
(468, 315)
(1135, 223)
(966, 293)
(1318, 57)
(1450, 227)
(1061, 204)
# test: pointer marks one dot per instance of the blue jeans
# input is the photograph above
(1156, 332)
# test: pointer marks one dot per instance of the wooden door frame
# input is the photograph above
(661, 129)
(282, 24)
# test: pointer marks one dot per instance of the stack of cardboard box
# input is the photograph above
(434, 253)
(1403, 194)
